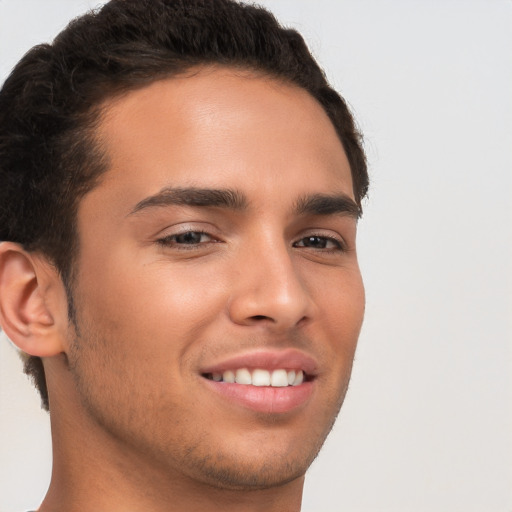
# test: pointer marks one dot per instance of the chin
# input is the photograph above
(263, 462)
(249, 475)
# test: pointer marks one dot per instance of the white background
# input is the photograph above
(427, 424)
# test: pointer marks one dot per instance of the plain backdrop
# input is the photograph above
(427, 424)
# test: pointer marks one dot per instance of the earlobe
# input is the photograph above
(30, 302)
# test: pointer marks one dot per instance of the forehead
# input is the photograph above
(220, 127)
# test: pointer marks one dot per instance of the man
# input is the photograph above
(178, 259)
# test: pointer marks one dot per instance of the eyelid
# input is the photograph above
(185, 227)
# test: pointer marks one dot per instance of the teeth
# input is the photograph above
(277, 378)
(260, 378)
(243, 376)
(299, 378)
(228, 376)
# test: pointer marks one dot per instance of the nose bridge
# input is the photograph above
(269, 286)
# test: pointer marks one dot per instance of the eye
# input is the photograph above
(187, 238)
(319, 242)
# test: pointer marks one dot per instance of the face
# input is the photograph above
(218, 247)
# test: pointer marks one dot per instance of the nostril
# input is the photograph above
(260, 317)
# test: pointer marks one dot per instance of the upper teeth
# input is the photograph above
(276, 378)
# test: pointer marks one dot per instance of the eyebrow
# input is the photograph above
(315, 204)
(192, 196)
(323, 204)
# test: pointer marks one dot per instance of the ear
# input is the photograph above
(33, 305)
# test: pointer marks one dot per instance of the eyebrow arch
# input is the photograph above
(192, 196)
(322, 204)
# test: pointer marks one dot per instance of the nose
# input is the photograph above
(269, 290)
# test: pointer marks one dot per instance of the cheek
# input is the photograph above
(134, 340)
(341, 302)
(155, 307)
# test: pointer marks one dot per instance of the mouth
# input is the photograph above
(268, 382)
(259, 377)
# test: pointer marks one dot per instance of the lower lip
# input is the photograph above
(264, 399)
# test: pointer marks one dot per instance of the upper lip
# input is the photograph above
(291, 359)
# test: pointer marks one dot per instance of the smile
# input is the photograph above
(264, 381)
(277, 378)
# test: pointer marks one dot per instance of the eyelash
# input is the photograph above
(339, 245)
(171, 241)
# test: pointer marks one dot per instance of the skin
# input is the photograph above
(135, 424)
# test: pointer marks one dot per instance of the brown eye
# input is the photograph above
(318, 242)
(187, 238)
(191, 237)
